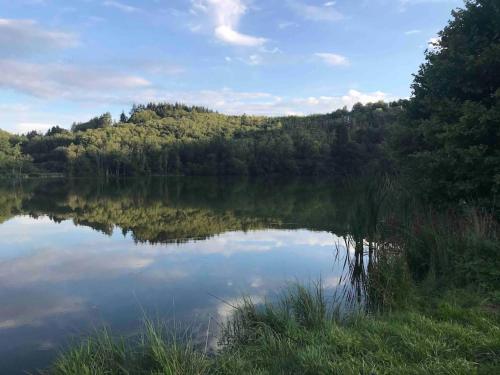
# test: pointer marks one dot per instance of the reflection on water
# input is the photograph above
(78, 254)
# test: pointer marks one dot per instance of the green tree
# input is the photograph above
(450, 137)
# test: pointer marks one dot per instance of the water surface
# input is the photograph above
(78, 254)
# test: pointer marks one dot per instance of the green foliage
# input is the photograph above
(12, 160)
(164, 139)
(100, 122)
(454, 249)
(449, 140)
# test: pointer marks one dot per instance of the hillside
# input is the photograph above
(175, 139)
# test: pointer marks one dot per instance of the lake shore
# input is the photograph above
(455, 332)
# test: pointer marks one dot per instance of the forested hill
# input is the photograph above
(176, 139)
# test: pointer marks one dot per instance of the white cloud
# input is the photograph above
(333, 59)
(316, 13)
(434, 40)
(225, 15)
(286, 25)
(325, 104)
(412, 32)
(252, 60)
(266, 104)
(120, 6)
(24, 127)
(20, 37)
(64, 81)
(433, 44)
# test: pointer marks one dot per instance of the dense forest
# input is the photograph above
(164, 139)
(445, 138)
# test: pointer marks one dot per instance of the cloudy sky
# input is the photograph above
(63, 61)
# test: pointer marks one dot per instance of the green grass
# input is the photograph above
(154, 351)
(455, 333)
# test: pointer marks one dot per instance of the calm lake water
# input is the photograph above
(79, 254)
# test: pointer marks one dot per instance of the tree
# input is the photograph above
(123, 117)
(450, 139)
(55, 130)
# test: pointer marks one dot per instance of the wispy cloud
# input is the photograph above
(21, 37)
(333, 59)
(286, 25)
(403, 4)
(63, 80)
(412, 32)
(225, 16)
(252, 60)
(327, 12)
(120, 6)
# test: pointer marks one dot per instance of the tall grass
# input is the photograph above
(157, 350)
(454, 249)
(304, 333)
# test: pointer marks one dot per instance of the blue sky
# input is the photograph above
(63, 61)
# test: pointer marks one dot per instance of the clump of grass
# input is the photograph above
(156, 351)
(292, 338)
(298, 306)
(98, 354)
(454, 249)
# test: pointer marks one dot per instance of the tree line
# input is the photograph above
(164, 139)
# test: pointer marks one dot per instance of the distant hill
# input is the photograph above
(162, 138)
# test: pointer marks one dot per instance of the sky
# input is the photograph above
(63, 61)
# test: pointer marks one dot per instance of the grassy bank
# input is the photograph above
(454, 333)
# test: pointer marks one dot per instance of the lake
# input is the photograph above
(79, 254)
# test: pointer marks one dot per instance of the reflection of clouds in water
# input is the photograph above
(57, 265)
(34, 311)
(53, 254)
(331, 282)
(259, 241)
(257, 282)
(108, 259)
(23, 228)
(226, 308)
(164, 275)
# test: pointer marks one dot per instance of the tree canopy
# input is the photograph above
(449, 139)
(166, 139)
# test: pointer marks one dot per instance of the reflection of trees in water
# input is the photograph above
(161, 210)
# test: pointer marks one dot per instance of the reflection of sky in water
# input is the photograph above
(59, 281)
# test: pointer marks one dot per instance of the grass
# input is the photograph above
(155, 351)
(303, 334)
